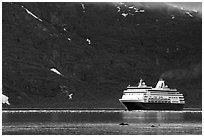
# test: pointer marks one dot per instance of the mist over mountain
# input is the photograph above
(94, 50)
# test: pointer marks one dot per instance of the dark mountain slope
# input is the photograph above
(99, 50)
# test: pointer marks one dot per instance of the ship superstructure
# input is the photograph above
(144, 97)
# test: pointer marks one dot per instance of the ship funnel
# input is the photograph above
(141, 83)
(160, 84)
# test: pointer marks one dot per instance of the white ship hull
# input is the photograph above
(131, 105)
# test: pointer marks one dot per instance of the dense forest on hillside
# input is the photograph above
(99, 49)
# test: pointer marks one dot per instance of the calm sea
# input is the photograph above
(101, 122)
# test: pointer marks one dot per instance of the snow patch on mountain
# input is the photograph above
(83, 7)
(141, 10)
(118, 8)
(131, 7)
(127, 10)
(5, 99)
(124, 14)
(31, 13)
(195, 11)
(188, 13)
(172, 17)
(88, 41)
(167, 50)
(55, 71)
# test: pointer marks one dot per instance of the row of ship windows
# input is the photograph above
(152, 97)
(164, 98)
(169, 93)
(129, 94)
(159, 101)
(145, 95)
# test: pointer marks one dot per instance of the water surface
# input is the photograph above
(101, 122)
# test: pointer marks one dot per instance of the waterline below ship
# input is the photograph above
(143, 97)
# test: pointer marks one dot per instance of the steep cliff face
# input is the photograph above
(98, 49)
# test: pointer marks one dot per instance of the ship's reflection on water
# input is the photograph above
(161, 116)
(100, 122)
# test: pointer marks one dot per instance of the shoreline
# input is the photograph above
(96, 109)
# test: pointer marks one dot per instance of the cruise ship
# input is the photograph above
(143, 97)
